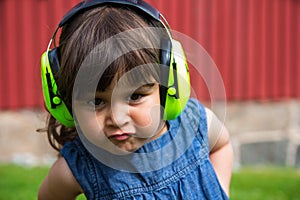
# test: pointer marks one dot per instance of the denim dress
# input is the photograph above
(173, 166)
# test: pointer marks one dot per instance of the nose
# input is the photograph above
(118, 115)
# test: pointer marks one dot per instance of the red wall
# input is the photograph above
(254, 43)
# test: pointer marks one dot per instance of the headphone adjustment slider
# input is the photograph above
(56, 100)
(172, 91)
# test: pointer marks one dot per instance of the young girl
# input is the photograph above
(122, 144)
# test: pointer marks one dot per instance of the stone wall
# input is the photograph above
(262, 133)
(265, 133)
(19, 140)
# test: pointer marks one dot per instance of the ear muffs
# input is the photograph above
(53, 101)
(175, 79)
(175, 90)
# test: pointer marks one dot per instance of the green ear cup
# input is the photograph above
(179, 90)
(54, 104)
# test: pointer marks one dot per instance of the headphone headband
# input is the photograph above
(88, 4)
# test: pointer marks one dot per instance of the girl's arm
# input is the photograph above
(221, 153)
(60, 183)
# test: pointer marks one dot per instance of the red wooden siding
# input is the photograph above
(254, 43)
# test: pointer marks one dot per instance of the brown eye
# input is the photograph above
(135, 97)
(96, 102)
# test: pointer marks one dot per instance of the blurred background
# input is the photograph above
(255, 45)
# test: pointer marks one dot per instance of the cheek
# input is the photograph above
(90, 126)
(86, 119)
(147, 117)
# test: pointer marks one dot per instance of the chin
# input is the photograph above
(120, 148)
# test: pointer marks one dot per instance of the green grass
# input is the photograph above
(22, 183)
(266, 184)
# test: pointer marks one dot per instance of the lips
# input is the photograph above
(121, 137)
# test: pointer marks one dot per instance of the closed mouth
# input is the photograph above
(120, 137)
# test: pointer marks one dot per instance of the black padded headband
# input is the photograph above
(88, 4)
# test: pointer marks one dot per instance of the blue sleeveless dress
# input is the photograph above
(179, 165)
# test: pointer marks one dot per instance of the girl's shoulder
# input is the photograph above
(194, 112)
(73, 147)
(194, 103)
(196, 107)
(60, 182)
(192, 120)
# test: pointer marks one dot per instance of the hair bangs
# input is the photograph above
(135, 67)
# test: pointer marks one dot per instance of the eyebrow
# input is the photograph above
(132, 89)
(146, 86)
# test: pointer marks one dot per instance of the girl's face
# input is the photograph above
(123, 117)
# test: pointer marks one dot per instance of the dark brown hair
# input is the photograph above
(81, 36)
